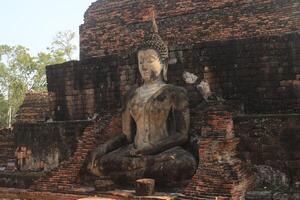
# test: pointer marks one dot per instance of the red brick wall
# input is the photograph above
(115, 26)
(271, 140)
(6, 146)
(49, 143)
(263, 73)
(35, 107)
(81, 89)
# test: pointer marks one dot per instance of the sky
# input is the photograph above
(34, 23)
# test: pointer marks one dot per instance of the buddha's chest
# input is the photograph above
(153, 106)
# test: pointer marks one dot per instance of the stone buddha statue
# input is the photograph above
(155, 123)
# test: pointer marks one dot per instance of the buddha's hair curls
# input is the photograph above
(154, 41)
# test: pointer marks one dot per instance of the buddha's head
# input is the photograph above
(153, 56)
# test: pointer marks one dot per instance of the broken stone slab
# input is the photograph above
(96, 198)
(104, 185)
(262, 195)
(145, 187)
(83, 189)
(296, 196)
(280, 196)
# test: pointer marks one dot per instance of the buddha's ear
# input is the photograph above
(165, 72)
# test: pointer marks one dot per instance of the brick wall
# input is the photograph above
(220, 174)
(70, 172)
(263, 73)
(35, 107)
(6, 146)
(81, 89)
(271, 140)
(42, 146)
(116, 26)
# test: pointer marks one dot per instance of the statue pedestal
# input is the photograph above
(220, 174)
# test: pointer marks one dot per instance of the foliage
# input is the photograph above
(62, 46)
(3, 111)
(21, 72)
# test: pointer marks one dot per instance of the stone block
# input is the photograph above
(104, 185)
(145, 187)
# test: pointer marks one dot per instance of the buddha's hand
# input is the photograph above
(96, 154)
(135, 153)
(147, 150)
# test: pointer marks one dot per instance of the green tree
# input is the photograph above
(16, 70)
(61, 50)
(20, 71)
(3, 112)
(62, 45)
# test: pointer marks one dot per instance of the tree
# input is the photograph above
(20, 71)
(16, 70)
(3, 111)
(62, 45)
(60, 50)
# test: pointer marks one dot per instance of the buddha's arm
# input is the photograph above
(107, 147)
(127, 122)
(123, 138)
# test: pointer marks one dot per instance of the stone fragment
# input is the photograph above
(189, 78)
(280, 196)
(262, 195)
(204, 89)
(145, 187)
(104, 185)
(96, 198)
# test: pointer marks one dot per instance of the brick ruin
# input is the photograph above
(35, 108)
(111, 27)
(247, 51)
(6, 147)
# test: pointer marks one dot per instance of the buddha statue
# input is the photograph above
(155, 124)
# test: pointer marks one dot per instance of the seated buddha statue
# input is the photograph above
(155, 124)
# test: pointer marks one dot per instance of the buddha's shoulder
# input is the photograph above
(175, 90)
(130, 93)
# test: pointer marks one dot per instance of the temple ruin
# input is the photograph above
(237, 60)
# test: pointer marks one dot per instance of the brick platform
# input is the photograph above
(64, 177)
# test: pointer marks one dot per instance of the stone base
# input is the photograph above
(104, 185)
(18, 179)
(269, 195)
(13, 193)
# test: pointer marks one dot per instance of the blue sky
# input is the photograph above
(34, 23)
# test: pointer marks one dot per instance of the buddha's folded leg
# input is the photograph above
(173, 165)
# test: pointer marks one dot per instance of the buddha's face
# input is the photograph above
(150, 65)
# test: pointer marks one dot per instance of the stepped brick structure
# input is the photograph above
(35, 107)
(220, 174)
(67, 175)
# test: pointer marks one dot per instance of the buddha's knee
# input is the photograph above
(174, 167)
